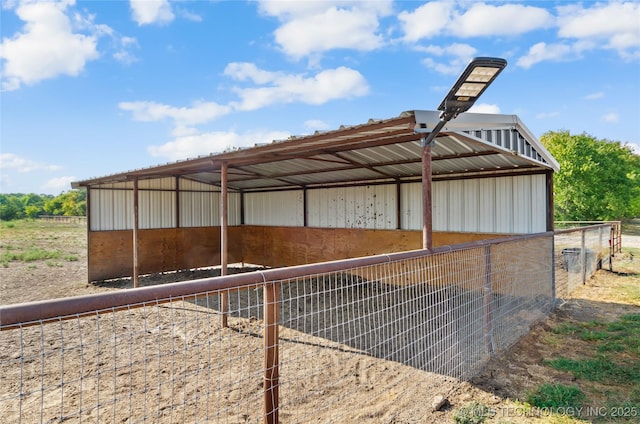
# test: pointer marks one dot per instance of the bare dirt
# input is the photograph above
(503, 382)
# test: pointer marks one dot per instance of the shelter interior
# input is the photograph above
(355, 191)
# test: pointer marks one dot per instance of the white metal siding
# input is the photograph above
(112, 205)
(275, 208)
(199, 209)
(411, 206)
(372, 207)
(111, 209)
(156, 209)
(489, 205)
(202, 209)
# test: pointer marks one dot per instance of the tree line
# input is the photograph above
(599, 180)
(21, 206)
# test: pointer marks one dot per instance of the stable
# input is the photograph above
(356, 191)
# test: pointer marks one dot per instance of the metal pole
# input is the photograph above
(136, 264)
(427, 212)
(271, 354)
(427, 222)
(224, 296)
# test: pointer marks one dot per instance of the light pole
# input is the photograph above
(473, 81)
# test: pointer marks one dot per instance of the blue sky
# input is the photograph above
(90, 88)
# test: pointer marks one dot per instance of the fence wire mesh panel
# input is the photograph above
(302, 344)
(170, 362)
(417, 325)
(579, 253)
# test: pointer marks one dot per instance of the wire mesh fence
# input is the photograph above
(336, 342)
(579, 252)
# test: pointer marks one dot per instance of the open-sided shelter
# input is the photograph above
(351, 192)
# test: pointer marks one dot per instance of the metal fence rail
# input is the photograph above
(301, 342)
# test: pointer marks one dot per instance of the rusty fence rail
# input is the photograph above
(63, 219)
(615, 232)
(300, 344)
(580, 252)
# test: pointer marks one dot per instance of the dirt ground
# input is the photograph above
(500, 385)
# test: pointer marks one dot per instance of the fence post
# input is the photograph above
(487, 297)
(271, 360)
(583, 258)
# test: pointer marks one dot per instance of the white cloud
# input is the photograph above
(199, 113)
(509, 19)
(484, 108)
(20, 164)
(542, 51)
(314, 27)
(458, 55)
(59, 184)
(617, 24)
(146, 12)
(316, 125)
(190, 146)
(613, 26)
(594, 96)
(47, 46)
(479, 20)
(611, 117)
(123, 54)
(278, 87)
(426, 21)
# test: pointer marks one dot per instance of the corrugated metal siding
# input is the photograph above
(156, 209)
(202, 209)
(199, 209)
(514, 204)
(490, 205)
(111, 209)
(112, 205)
(372, 207)
(284, 208)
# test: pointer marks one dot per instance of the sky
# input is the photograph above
(92, 88)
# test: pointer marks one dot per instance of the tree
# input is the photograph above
(10, 207)
(18, 205)
(598, 179)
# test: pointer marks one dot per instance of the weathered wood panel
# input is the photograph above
(111, 252)
(169, 249)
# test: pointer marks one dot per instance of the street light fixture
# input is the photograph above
(476, 77)
(473, 81)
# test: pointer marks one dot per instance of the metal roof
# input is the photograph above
(472, 145)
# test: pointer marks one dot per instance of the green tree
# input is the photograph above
(74, 203)
(10, 207)
(598, 179)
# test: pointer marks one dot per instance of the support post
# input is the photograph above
(583, 258)
(271, 354)
(487, 297)
(224, 295)
(427, 224)
(136, 264)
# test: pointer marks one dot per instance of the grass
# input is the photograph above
(609, 374)
(31, 241)
(556, 396)
(474, 413)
